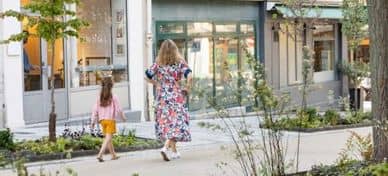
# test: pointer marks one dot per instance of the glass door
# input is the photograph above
(37, 71)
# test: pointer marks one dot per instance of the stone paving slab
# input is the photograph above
(199, 158)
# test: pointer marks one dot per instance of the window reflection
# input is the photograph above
(171, 28)
(32, 62)
(324, 42)
(226, 28)
(199, 28)
(226, 69)
(59, 73)
(216, 59)
(31, 58)
(199, 56)
(247, 28)
(104, 51)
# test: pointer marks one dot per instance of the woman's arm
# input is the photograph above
(151, 81)
(188, 83)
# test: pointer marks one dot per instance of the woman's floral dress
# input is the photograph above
(171, 112)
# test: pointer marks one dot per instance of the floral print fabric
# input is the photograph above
(171, 112)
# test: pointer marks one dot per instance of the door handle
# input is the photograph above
(46, 70)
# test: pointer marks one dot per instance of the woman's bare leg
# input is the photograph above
(163, 152)
(173, 146)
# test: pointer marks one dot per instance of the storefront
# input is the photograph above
(322, 35)
(214, 36)
(106, 49)
(212, 43)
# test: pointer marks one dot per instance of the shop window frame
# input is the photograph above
(187, 37)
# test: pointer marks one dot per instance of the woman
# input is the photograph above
(171, 113)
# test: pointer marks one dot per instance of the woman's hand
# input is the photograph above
(186, 91)
(123, 117)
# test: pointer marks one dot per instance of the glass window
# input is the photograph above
(104, 51)
(199, 28)
(32, 62)
(324, 43)
(59, 69)
(226, 69)
(246, 84)
(226, 28)
(31, 58)
(199, 57)
(171, 28)
(247, 28)
(216, 60)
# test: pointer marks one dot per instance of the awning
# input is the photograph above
(364, 42)
(320, 12)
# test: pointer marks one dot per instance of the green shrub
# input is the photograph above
(3, 160)
(41, 146)
(123, 141)
(358, 117)
(311, 114)
(88, 142)
(351, 168)
(331, 117)
(379, 169)
(6, 140)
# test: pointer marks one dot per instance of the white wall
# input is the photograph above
(13, 72)
(136, 48)
(83, 99)
(2, 110)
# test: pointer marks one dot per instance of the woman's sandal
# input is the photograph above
(99, 159)
(115, 157)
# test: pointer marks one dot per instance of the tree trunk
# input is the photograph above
(378, 29)
(53, 115)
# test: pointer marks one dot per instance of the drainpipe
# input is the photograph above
(149, 44)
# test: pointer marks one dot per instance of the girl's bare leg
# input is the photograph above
(107, 141)
(112, 150)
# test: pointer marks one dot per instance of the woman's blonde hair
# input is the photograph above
(168, 53)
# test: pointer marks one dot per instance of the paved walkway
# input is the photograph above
(199, 157)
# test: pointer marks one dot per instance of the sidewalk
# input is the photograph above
(199, 157)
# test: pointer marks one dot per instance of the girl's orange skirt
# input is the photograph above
(108, 126)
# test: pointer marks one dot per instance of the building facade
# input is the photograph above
(114, 37)
(123, 39)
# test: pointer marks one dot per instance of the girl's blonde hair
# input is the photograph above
(168, 53)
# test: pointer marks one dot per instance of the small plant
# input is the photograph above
(331, 117)
(357, 148)
(379, 169)
(6, 140)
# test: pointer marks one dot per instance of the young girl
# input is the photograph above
(105, 111)
(172, 117)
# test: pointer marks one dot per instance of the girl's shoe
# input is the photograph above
(176, 155)
(163, 152)
(99, 159)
